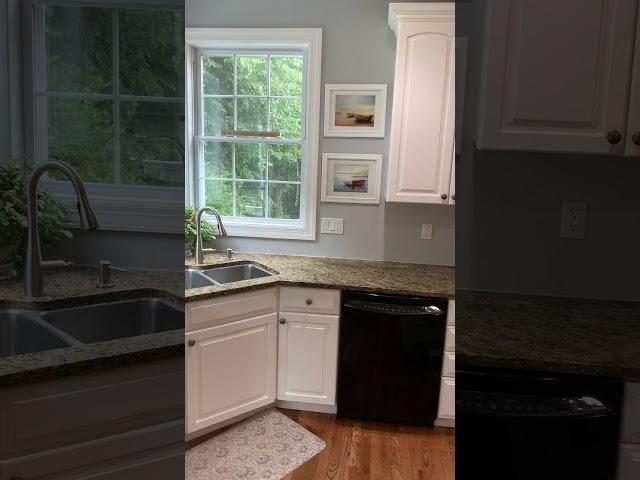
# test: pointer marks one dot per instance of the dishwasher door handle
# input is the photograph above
(391, 309)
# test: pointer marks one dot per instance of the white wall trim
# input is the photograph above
(440, 12)
(309, 39)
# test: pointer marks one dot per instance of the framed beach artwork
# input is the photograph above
(355, 110)
(351, 178)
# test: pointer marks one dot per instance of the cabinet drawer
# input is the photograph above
(447, 404)
(451, 313)
(631, 413)
(217, 311)
(629, 462)
(450, 339)
(449, 364)
(309, 300)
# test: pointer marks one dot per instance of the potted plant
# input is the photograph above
(14, 176)
(206, 230)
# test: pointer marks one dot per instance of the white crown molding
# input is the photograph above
(442, 12)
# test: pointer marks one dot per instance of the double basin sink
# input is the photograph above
(194, 278)
(27, 331)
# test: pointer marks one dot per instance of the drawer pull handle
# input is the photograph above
(192, 343)
(308, 301)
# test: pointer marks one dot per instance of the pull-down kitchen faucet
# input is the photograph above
(34, 263)
(221, 232)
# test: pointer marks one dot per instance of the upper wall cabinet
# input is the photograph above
(557, 76)
(422, 123)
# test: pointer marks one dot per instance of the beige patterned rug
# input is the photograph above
(267, 446)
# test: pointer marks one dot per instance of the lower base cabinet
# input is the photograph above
(231, 370)
(307, 358)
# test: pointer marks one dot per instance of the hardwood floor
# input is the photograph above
(375, 451)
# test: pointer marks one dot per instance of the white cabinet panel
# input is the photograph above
(422, 130)
(629, 462)
(449, 364)
(633, 125)
(447, 402)
(307, 358)
(231, 369)
(450, 339)
(525, 107)
(451, 312)
(631, 413)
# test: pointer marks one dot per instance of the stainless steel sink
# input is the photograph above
(20, 333)
(108, 321)
(196, 279)
(236, 273)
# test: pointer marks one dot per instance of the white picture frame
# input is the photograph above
(348, 106)
(351, 178)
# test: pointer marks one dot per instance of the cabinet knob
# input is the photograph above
(636, 138)
(308, 301)
(283, 321)
(192, 343)
(443, 196)
(614, 137)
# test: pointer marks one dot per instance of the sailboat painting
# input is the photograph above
(355, 110)
(351, 178)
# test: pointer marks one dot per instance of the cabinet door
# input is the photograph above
(548, 90)
(447, 402)
(231, 370)
(629, 462)
(421, 148)
(307, 358)
(633, 125)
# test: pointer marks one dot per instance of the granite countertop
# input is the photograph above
(564, 335)
(339, 273)
(76, 286)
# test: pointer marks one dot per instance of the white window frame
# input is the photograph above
(307, 40)
(118, 207)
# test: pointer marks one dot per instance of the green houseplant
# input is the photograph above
(206, 231)
(14, 176)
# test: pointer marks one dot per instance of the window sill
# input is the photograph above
(268, 230)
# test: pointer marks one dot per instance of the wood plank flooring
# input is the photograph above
(375, 451)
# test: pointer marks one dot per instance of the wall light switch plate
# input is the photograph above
(333, 226)
(427, 231)
(574, 219)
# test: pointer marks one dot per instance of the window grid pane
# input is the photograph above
(243, 103)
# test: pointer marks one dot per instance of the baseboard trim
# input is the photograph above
(445, 422)
(307, 407)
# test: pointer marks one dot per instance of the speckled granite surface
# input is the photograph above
(77, 286)
(323, 272)
(566, 335)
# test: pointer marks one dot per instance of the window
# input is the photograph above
(255, 122)
(109, 100)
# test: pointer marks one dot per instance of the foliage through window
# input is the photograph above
(110, 93)
(252, 133)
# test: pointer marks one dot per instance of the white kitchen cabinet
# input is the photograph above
(633, 124)
(423, 118)
(557, 76)
(446, 404)
(231, 370)
(307, 358)
(629, 462)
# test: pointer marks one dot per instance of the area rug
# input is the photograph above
(267, 446)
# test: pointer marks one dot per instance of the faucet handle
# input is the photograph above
(104, 273)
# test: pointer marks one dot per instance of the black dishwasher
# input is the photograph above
(390, 357)
(513, 425)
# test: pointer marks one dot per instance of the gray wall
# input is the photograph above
(358, 47)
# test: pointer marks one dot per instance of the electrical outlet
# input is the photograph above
(427, 231)
(334, 226)
(574, 219)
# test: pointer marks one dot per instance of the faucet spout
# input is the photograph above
(221, 231)
(88, 220)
